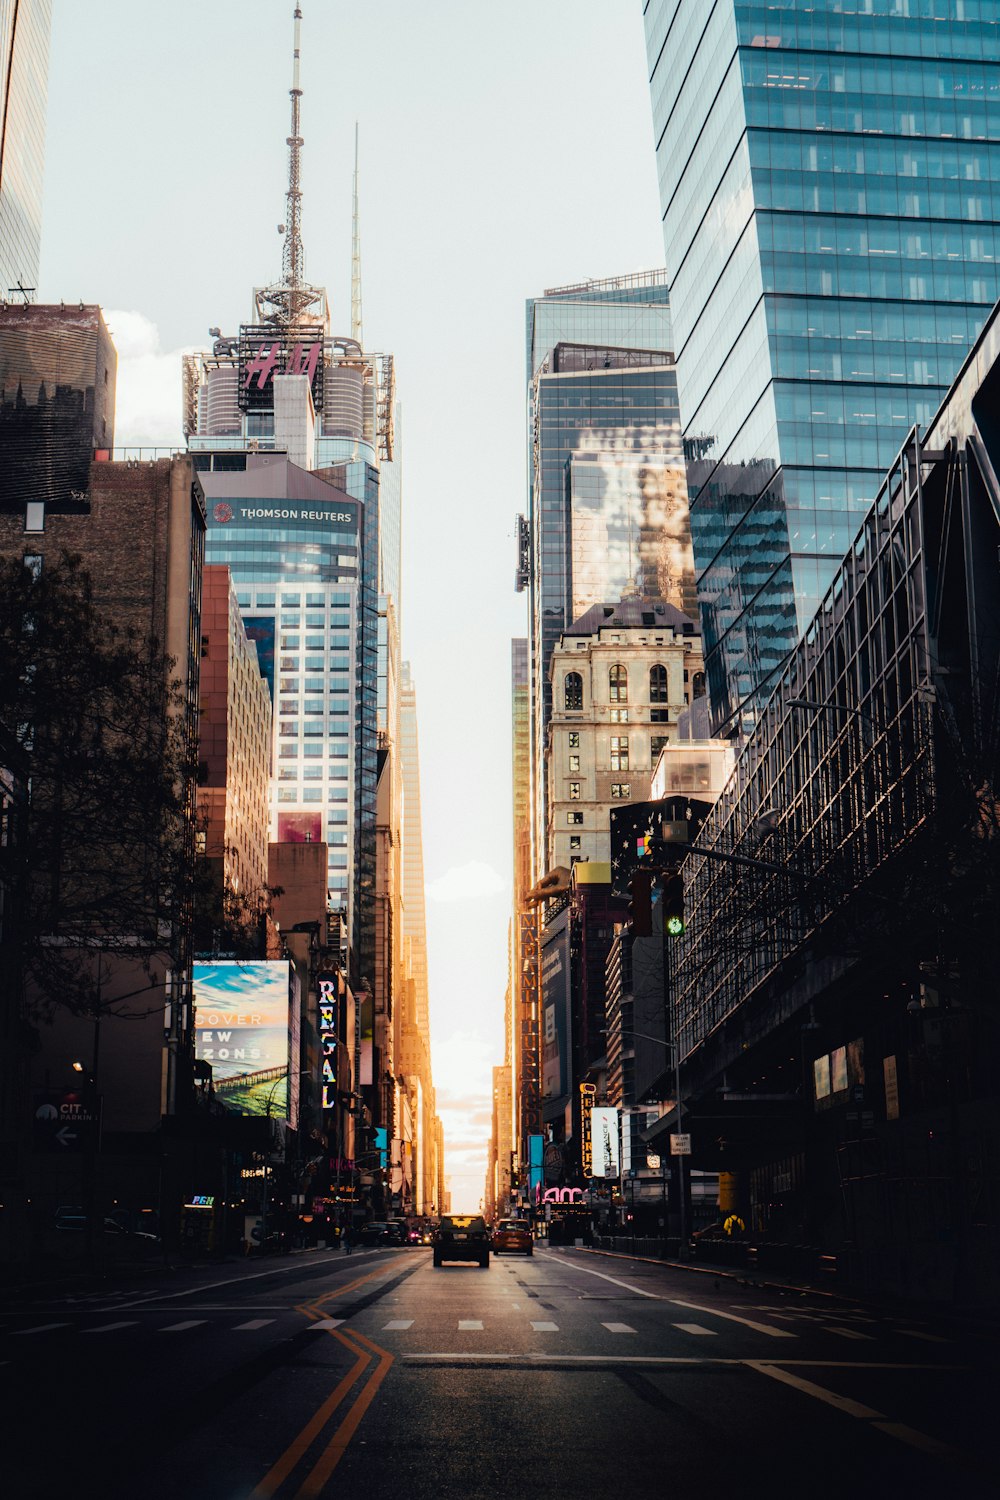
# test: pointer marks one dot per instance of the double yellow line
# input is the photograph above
(366, 1351)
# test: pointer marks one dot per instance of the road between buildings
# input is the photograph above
(564, 1374)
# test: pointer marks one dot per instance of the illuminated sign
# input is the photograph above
(558, 1195)
(588, 1094)
(604, 1142)
(326, 989)
(224, 514)
(201, 1200)
(242, 1027)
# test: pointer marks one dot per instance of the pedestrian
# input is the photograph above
(349, 1238)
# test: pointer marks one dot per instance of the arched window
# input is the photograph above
(698, 685)
(618, 683)
(573, 690)
(658, 684)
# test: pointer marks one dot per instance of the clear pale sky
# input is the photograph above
(505, 148)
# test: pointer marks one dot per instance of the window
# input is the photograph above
(295, 599)
(656, 744)
(574, 791)
(574, 841)
(33, 563)
(619, 752)
(287, 752)
(574, 819)
(618, 684)
(574, 739)
(34, 515)
(574, 763)
(620, 789)
(619, 716)
(314, 601)
(573, 690)
(315, 643)
(288, 685)
(658, 684)
(698, 685)
(315, 622)
(659, 716)
(289, 643)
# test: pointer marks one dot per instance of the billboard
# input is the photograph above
(300, 828)
(604, 1142)
(244, 1028)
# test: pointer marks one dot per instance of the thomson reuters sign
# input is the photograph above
(223, 513)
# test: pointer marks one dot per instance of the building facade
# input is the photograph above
(831, 240)
(607, 502)
(25, 28)
(234, 742)
(622, 674)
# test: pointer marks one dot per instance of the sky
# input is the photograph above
(505, 148)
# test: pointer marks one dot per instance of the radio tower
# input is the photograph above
(286, 303)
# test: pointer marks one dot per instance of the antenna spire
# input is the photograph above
(285, 303)
(356, 324)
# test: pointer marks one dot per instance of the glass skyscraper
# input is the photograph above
(605, 464)
(831, 240)
(25, 26)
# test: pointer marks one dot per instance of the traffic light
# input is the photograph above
(640, 907)
(673, 903)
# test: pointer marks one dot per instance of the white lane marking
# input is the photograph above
(545, 1327)
(516, 1306)
(713, 1312)
(210, 1286)
(928, 1338)
(842, 1403)
(328, 1323)
(917, 1439)
(253, 1323)
(696, 1328)
(21, 1333)
(618, 1327)
(849, 1333)
(398, 1325)
(469, 1325)
(183, 1327)
(613, 1279)
(109, 1327)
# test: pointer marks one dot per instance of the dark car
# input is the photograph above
(513, 1234)
(397, 1233)
(462, 1237)
(375, 1233)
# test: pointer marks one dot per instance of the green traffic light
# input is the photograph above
(675, 926)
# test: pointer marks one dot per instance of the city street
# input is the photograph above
(570, 1373)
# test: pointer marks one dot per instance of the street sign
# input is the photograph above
(65, 1121)
(680, 1145)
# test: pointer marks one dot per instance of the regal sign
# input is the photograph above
(266, 352)
(326, 988)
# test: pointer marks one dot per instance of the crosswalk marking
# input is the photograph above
(715, 1312)
(110, 1327)
(328, 1323)
(618, 1328)
(470, 1325)
(399, 1325)
(253, 1323)
(850, 1333)
(545, 1327)
(181, 1327)
(696, 1328)
(41, 1328)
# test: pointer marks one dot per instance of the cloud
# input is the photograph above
(148, 404)
(468, 882)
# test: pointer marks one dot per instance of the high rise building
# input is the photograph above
(25, 27)
(414, 907)
(607, 503)
(831, 241)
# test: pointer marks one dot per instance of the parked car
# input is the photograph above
(462, 1237)
(513, 1235)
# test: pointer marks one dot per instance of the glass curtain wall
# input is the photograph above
(831, 237)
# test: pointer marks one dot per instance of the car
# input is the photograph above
(375, 1233)
(462, 1237)
(396, 1232)
(513, 1234)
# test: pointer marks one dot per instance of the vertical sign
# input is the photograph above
(326, 989)
(536, 1157)
(588, 1094)
(891, 1088)
(604, 1142)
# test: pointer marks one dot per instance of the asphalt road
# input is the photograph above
(566, 1374)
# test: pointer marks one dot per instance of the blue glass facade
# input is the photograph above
(831, 238)
(302, 548)
(600, 382)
